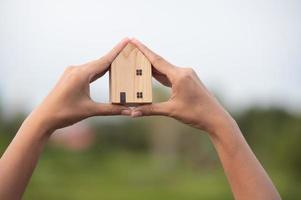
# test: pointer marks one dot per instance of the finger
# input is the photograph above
(100, 66)
(161, 78)
(163, 108)
(157, 61)
(104, 109)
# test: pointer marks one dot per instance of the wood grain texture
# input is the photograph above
(123, 77)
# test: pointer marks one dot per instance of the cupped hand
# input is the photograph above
(190, 101)
(70, 101)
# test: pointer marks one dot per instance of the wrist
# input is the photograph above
(223, 122)
(41, 122)
(227, 135)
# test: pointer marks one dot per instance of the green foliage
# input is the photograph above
(159, 158)
(121, 175)
(274, 135)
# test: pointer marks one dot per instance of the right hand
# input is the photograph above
(190, 101)
(70, 100)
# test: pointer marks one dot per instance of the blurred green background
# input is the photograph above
(248, 52)
(156, 157)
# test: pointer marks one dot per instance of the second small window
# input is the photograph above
(139, 95)
(139, 72)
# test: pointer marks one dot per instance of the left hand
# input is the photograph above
(70, 101)
(190, 101)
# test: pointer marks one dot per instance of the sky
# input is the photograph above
(248, 52)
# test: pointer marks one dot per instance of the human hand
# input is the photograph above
(190, 101)
(70, 101)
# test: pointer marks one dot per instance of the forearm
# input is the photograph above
(21, 156)
(68, 102)
(245, 174)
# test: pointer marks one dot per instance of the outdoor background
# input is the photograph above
(248, 53)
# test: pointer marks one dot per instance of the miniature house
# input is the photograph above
(130, 77)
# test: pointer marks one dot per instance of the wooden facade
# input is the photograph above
(130, 77)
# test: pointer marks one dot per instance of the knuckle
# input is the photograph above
(189, 71)
(70, 68)
(73, 72)
(184, 75)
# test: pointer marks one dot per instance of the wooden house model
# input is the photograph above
(130, 77)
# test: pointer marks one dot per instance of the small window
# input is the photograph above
(139, 72)
(139, 95)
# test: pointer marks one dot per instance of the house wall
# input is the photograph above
(123, 77)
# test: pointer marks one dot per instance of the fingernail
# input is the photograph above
(136, 113)
(126, 112)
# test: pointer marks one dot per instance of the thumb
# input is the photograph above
(152, 109)
(105, 109)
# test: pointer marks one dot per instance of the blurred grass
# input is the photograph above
(130, 175)
(122, 175)
(159, 158)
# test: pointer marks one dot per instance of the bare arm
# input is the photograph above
(247, 177)
(68, 103)
(193, 104)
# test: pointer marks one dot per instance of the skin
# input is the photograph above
(68, 103)
(190, 103)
